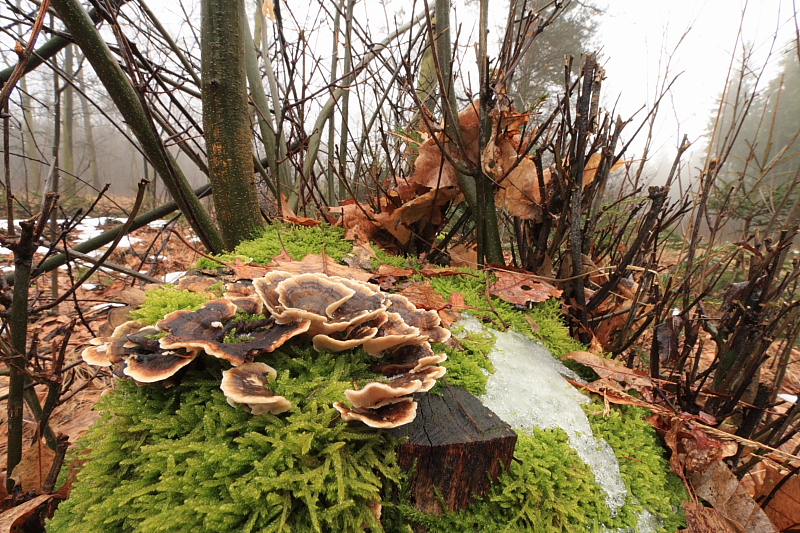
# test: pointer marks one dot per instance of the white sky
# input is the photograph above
(638, 36)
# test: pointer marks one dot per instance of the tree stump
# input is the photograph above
(459, 447)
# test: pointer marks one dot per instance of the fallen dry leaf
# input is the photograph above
(11, 521)
(692, 449)
(302, 221)
(784, 508)
(32, 470)
(313, 263)
(701, 519)
(611, 369)
(132, 296)
(519, 288)
(423, 295)
(427, 205)
(717, 485)
(389, 270)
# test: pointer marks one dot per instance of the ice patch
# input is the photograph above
(527, 390)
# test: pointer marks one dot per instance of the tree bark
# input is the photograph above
(226, 120)
(132, 109)
(456, 446)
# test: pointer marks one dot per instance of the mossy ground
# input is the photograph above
(182, 459)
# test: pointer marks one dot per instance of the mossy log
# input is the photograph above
(457, 447)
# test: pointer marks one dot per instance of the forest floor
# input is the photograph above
(99, 306)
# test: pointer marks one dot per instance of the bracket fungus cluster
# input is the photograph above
(338, 314)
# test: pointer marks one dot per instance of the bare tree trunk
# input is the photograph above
(132, 108)
(91, 150)
(67, 137)
(226, 120)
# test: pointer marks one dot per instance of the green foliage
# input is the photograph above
(297, 240)
(549, 490)
(470, 366)
(552, 331)
(182, 459)
(162, 300)
(642, 463)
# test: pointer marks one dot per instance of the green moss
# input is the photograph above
(298, 241)
(162, 300)
(182, 459)
(469, 366)
(642, 463)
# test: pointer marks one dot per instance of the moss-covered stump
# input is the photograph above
(181, 459)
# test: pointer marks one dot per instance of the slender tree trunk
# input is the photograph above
(226, 120)
(52, 184)
(332, 196)
(263, 114)
(348, 81)
(67, 137)
(133, 110)
(91, 149)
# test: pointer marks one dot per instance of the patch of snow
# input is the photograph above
(172, 277)
(791, 398)
(527, 390)
(107, 305)
(158, 224)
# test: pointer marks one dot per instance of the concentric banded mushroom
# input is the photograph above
(338, 313)
(428, 322)
(247, 385)
(388, 416)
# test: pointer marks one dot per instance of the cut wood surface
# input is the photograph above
(459, 447)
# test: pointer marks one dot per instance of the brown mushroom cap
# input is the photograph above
(388, 416)
(186, 326)
(409, 358)
(376, 393)
(428, 322)
(252, 305)
(394, 332)
(313, 293)
(265, 288)
(357, 338)
(429, 375)
(107, 351)
(247, 384)
(366, 303)
(239, 353)
(157, 366)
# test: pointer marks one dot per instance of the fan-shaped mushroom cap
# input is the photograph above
(428, 322)
(252, 305)
(239, 289)
(97, 354)
(388, 416)
(429, 375)
(247, 384)
(376, 394)
(366, 303)
(157, 366)
(314, 292)
(111, 350)
(391, 334)
(356, 338)
(186, 326)
(409, 358)
(239, 353)
(265, 288)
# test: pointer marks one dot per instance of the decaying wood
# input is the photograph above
(458, 446)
